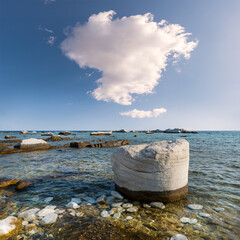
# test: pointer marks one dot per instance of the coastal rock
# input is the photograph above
(65, 133)
(127, 205)
(195, 206)
(80, 144)
(152, 172)
(188, 220)
(47, 134)
(204, 215)
(101, 199)
(218, 209)
(44, 212)
(24, 132)
(105, 214)
(10, 137)
(132, 209)
(48, 199)
(113, 143)
(100, 133)
(33, 144)
(159, 205)
(76, 200)
(178, 237)
(21, 185)
(129, 218)
(116, 195)
(50, 218)
(7, 225)
(7, 182)
(117, 215)
(72, 205)
(29, 215)
(110, 200)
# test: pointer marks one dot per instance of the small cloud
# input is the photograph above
(51, 40)
(144, 114)
(131, 52)
(49, 1)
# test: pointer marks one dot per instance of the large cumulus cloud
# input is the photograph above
(131, 52)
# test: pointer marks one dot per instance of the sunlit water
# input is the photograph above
(214, 178)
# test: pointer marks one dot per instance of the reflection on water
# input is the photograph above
(63, 173)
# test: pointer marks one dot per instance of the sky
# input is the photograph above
(108, 65)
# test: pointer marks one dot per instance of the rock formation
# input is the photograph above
(152, 172)
(33, 144)
(100, 133)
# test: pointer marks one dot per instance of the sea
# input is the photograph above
(63, 173)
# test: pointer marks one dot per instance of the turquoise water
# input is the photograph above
(214, 174)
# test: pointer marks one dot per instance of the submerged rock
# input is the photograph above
(21, 185)
(178, 237)
(116, 195)
(218, 209)
(195, 206)
(50, 218)
(8, 182)
(72, 205)
(29, 215)
(105, 214)
(159, 205)
(204, 215)
(188, 220)
(10, 137)
(80, 144)
(7, 225)
(152, 172)
(101, 199)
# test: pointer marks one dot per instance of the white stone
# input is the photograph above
(101, 199)
(50, 207)
(159, 205)
(59, 211)
(113, 211)
(127, 205)
(76, 200)
(44, 212)
(146, 205)
(195, 206)
(132, 209)
(101, 133)
(50, 218)
(116, 195)
(105, 214)
(33, 141)
(129, 218)
(188, 220)
(218, 209)
(72, 205)
(117, 215)
(7, 225)
(29, 215)
(24, 223)
(204, 215)
(48, 199)
(178, 237)
(116, 204)
(157, 167)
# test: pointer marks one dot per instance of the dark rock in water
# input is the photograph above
(65, 133)
(22, 185)
(81, 144)
(135, 135)
(98, 140)
(8, 182)
(113, 143)
(57, 138)
(10, 137)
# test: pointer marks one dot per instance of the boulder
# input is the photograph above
(155, 172)
(65, 133)
(80, 144)
(21, 185)
(33, 144)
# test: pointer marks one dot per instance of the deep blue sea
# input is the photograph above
(214, 175)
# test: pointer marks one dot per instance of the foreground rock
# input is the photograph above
(33, 144)
(152, 172)
(7, 226)
(8, 182)
(100, 133)
(21, 185)
(117, 143)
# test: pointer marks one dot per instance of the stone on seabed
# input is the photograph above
(152, 172)
(7, 225)
(178, 237)
(72, 205)
(195, 206)
(50, 218)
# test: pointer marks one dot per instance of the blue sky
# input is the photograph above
(41, 88)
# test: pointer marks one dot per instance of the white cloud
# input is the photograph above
(144, 114)
(49, 1)
(51, 40)
(131, 52)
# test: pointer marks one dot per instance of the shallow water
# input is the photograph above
(214, 178)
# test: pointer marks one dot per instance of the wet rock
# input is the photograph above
(104, 214)
(24, 223)
(127, 205)
(47, 134)
(132, 209)
(29, 215)
(116, 195)
(80, 144)
(7, 225)
(204, 215)
(72, 205)
(8, 182)
(100, 133)
(152, 172)
(112, 211)
(101, 199)
(48, 199)
(44, 212)
(10, 137)
(98, 140)
(76, 200)
(218, 209)
(116, 205)
(52, 207)
(195, 206)
(59, 211)
(129, 218)
(146, 205)
(188, 220)
(65, 133)
(50, 218)
(117, 215)
(24, 132)
(178, 237)
(110, 200)
(21, 185)
(79, 214)
(159, 205)
(112, 143)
